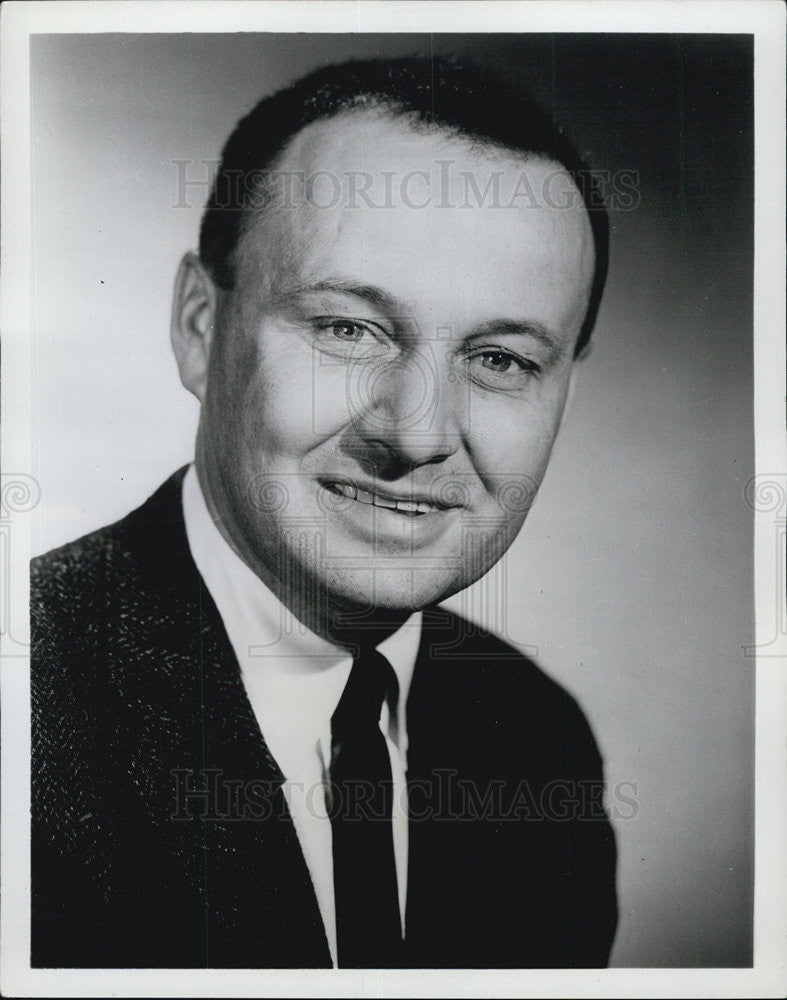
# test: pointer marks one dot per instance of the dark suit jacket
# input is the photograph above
(160, 835)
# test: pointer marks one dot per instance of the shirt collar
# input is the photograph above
(293, 676)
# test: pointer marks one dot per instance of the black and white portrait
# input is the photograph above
(391, 498)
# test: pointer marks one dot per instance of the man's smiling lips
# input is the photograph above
(411, 504)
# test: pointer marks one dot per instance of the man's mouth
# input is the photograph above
(411, 506)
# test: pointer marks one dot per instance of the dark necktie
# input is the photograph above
(364, 872)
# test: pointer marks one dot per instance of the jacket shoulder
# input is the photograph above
(486, 659)
(92, 604)
(501, 695)
(82, 572)
(66, 570)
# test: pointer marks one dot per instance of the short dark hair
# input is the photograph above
(460, 98)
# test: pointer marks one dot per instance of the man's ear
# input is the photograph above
(193, 318)
(572, 385)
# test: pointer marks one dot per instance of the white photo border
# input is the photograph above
(762, 19)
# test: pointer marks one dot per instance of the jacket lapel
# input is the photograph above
(204, 774)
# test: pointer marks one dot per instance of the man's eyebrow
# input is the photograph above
(376, 297)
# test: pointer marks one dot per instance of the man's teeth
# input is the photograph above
(364, 496)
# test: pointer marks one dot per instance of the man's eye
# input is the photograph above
(347, 331)
(350, 332)
(498, 362)
(350, 339)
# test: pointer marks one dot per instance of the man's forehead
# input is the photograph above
(378, 141)
(352, 137)
(377, 158)
(367, 192)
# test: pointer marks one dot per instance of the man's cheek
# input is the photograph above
(331, 398)
(512, 473)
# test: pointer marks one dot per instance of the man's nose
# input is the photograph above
(408, 410)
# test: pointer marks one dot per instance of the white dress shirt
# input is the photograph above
(294, 680)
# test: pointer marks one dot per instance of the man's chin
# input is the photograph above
(391, 591)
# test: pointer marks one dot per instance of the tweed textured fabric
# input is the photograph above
(160, 837)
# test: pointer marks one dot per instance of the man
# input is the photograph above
(257, 741)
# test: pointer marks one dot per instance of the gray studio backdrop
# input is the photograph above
(632, 580)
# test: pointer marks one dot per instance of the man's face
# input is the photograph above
(388, 374)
